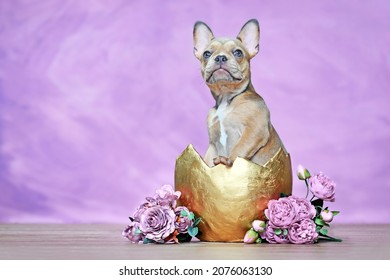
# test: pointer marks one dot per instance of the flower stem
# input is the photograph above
(307, 188)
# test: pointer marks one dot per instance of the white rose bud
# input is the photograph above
(258, 226)
(303, 173)
(251, 236)
(326, 216)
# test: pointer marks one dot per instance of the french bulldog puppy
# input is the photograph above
(239, 124)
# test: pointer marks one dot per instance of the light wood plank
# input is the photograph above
(103, 241)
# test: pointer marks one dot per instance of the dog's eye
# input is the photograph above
(206, 54)
(237, 53)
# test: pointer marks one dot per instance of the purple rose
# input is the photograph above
(274, 234)
(183, 219)
(322, 187)
(133, 233)
(281, 212)
(157, 222)
(150, 202)
(166, 195)
(303, 208)
(302, 232)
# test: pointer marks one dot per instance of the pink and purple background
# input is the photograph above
(98, 98)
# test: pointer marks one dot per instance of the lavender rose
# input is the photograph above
(166, 195)
(322, 187)
(270, 234)
(183, 222)
(302, 232)
(281, 213)
(303, 208)
(133, 233)
(150, 202)
(157, 222)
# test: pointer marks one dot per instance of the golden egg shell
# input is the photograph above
(228, 199)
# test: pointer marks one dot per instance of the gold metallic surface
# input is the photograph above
(228, 199)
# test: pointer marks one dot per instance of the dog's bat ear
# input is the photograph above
(202, 38)
(250, 36)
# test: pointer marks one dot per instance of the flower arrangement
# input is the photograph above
(160, 220)
(289, 219)
(297, 220)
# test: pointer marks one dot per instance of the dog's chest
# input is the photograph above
(220, 124)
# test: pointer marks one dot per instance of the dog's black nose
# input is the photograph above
(220, 59)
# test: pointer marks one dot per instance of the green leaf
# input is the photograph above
(191, 216)
(307, 174)
(319, 222)
(184, 237)
(318, 204)
(318, 211)
(324, 231)
(318, 228)
(259, 240)
(137, 231)
(197, 221)
(335, 213)
(285, 232)
(147, 241)
(329, 238)
(183, 213)
(278, 231)
(193, 231)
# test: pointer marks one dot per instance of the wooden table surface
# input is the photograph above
(104, 241)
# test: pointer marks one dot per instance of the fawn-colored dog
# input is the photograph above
(239, 123)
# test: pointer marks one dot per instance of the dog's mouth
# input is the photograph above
(221, 74)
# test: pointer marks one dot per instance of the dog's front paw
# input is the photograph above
(223, 160)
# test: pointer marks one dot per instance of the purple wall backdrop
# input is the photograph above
(98, 98)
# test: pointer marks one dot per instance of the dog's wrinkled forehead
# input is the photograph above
(225, 44)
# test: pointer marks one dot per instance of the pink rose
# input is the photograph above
(275, 235)
(302, 232)
(303, 208)
(157, 222)
(322, 187)
(281, 213)
(133, 233)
